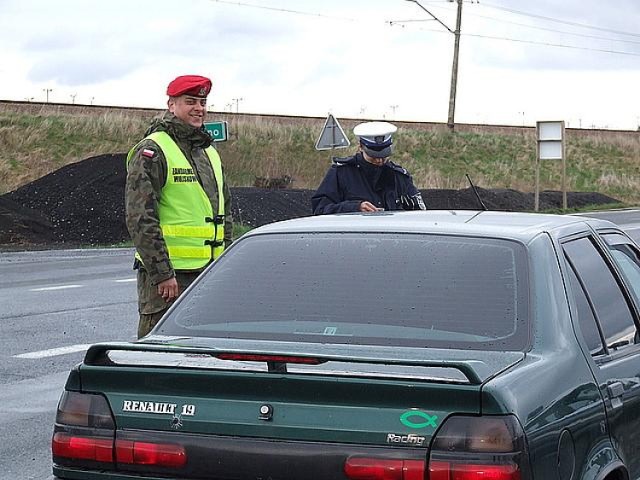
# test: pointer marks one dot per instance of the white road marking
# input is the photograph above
(52, 352)
(126, 280)
(58, 287)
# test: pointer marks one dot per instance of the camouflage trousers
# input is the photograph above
(151, 305)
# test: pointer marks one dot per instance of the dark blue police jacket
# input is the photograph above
(352, 180)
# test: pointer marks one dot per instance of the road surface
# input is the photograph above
(56, 303)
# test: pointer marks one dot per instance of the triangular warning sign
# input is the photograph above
(332, 136)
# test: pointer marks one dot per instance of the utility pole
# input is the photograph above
(47, 91)
(454, 69)
(456, 49)
(237, 102)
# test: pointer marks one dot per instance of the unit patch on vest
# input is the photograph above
(183, 175)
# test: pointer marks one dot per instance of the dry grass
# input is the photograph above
(35, 145)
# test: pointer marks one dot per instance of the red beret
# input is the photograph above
(193, 85)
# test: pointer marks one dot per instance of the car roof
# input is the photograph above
(514, 225)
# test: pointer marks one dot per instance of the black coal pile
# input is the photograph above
(83, 204)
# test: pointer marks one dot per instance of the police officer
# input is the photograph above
(178, 206)
(367, 181)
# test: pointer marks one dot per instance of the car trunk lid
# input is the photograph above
(366, 399)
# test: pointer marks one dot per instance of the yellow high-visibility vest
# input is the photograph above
(193, 234)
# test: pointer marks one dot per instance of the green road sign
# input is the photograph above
(218, 130)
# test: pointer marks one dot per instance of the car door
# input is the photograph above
(606, 274)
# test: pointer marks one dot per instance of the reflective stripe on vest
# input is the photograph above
(185, 212)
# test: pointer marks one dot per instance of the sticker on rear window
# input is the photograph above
(418, 419)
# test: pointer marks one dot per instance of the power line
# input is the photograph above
(552, 44)
(566, 22)
(431, 14)
(532, 42)
(553, 30)
(284, 10)
(402, 22)
(564, 32)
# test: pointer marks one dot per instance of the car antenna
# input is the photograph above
(484, 207)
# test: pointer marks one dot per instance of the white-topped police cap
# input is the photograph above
(376, 138)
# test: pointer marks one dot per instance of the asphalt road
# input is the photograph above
(54, 304)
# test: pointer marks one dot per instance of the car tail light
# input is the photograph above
(479, 448)
(144, 453)
(84, 410)
(85, 432)
(82, 448)
(364, 468)
(250, 357)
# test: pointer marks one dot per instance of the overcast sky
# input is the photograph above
(520, 61)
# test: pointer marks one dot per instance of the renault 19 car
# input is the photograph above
(438, 345)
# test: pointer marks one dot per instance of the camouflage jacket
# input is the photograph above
(145, 179)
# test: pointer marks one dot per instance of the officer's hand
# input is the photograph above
(168, 289)
(369, 207)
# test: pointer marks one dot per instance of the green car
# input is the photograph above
(438, 345)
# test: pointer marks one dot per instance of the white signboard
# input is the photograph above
(551, 147)
(551, 140)
(551, 150)
(550, 131)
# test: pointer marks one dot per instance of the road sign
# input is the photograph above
(332, 136)
(551, 140)
(217, 130)
(551, 146)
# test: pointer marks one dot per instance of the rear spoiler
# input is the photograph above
(276, 361)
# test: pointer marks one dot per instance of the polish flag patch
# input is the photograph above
(148, 152)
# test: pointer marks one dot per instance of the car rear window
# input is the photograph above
(367, 289)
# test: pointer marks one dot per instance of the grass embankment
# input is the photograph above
(35, 145)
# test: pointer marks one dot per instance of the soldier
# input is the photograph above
(178, 206)
(367, 181)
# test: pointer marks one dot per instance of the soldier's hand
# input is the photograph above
(168, 289)
(369, 207)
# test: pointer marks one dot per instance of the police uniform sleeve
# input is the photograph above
(146, 175)
(413, 199)
(417, 203)
(409, 196)
(328, 198)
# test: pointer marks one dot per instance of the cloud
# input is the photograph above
(527, 37)
(80, 69)
(342, 55)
